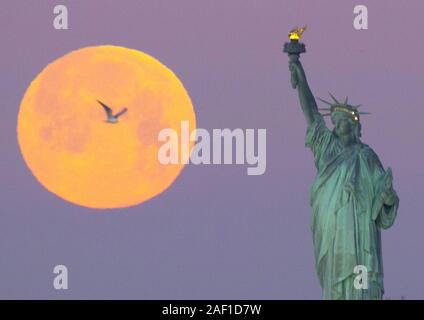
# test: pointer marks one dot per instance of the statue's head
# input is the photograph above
(345, 118)
(345, 125)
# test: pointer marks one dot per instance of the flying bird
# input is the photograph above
(112, 118)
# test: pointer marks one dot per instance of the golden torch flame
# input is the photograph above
(296, 33)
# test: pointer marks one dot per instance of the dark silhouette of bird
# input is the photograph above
(112, 118)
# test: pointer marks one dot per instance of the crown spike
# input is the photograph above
(364, 112)
(332, 97)
(326, 102)
(324, 109)
(345, 102)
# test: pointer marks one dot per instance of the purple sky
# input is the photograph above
(217, 233)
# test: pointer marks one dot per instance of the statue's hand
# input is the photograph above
(389, 197)
(297, 73)
(293, 79)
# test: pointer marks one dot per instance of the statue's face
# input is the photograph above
(343, 123)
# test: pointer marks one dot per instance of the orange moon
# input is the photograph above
(70, 148)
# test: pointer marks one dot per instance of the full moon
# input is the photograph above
(75, 153)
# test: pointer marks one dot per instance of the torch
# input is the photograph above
(294, 48)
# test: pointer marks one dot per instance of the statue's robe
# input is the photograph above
(346, 222)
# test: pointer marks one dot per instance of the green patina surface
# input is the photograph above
(352, 198)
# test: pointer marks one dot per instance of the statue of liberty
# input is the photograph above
(352, 197)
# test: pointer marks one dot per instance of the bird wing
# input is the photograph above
(107, 109)
(120, 113)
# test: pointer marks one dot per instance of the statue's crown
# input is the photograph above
(338, 106)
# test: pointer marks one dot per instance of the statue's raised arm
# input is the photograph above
(306, 98)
